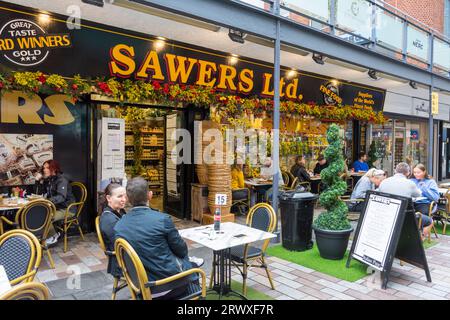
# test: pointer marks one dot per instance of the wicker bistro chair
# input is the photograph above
(443, 211)
(137, 280)
(20, 255)
(432, 209)
(262, 217)
(80, 193)
(27, 291)
(119, 282)
(286, 178)
(241, 204)
(36, 217)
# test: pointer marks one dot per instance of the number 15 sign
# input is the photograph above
(221, 199)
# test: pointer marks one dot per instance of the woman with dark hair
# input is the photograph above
(299, 170)
(113, 203)
(56, 188)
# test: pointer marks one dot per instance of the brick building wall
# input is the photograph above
(429, 12)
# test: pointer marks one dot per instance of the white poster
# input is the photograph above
(376, 230)
(113, 148)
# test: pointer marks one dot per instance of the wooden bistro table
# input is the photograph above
(9, 208)
(445, 185)
(254, 185)
(230, 235)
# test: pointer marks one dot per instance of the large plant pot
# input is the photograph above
(332, 244)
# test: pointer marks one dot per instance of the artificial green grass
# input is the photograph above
(427, 245)
(252, 294)
(312, 259)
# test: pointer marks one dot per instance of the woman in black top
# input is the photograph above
(115, 198)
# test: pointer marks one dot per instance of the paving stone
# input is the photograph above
(405, 289)
(284, 297)
(310, 284)
(46, 275)
(429, 290)
(358, 295)
(337, 294)
(284, 274)
(307, 276)
(90, 261)
(297, 295)
(316, 293)
(332, 285)
(382, 295)
(273, 293)
(300, 268)
(430, 296)
(275, 259)
(288, 282)
(279, 266)
(325, 276)
(406, 296)
(355, 286)
(309, 298)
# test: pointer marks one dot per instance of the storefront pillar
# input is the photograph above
(430, 134)
(276, 116)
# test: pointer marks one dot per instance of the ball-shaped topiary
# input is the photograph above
(335, 218)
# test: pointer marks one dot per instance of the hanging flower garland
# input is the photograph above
(227, 106)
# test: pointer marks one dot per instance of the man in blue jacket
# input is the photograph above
(157, 242)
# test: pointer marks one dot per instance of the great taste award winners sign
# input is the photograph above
(388, 229)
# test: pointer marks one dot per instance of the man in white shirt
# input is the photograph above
(399, 184)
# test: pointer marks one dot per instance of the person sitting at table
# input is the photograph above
(400, 185)
(55, 186)
(370, 181)
(238, 190)
(320, 165)
(267, 172)
(361, 163)
(299, 169)
(153, 236)
(113, 202)
(429, 189)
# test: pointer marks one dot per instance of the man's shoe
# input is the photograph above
(197, 261)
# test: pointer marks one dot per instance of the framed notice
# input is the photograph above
(377, 229)
(388, 229)
(113, 148)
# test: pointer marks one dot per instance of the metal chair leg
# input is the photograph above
(65, 240)
(268, 273)
(244, 278)
(114, 290)
(213, 272)
(50, 258)
(81, 232)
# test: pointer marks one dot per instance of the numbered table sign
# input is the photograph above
(221, 199)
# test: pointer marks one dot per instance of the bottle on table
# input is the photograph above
(217, 218)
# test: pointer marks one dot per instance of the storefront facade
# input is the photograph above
(182, 81)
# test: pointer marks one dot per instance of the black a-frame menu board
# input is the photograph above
(388, 229)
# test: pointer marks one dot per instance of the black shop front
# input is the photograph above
(70, 94)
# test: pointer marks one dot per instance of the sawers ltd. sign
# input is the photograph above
(104, 51)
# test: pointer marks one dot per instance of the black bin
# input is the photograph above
(297, 211)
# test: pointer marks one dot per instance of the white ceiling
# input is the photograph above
(119, 16)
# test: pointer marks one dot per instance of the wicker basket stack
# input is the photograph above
(219, 181)
(201, 168)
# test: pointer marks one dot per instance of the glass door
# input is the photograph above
(381, 148)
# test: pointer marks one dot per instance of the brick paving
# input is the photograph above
(292, 282)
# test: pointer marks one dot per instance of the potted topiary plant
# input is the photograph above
(332, 228)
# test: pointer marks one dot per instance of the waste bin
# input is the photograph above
(297, 211)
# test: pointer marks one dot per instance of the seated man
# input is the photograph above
(361, 163)
(157, 242)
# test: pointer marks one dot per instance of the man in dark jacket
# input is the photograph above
(155, 239)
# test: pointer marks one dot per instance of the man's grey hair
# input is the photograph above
(403, 168)
(137, 192)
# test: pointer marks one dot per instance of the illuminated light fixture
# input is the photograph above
(233, 59)
(237, 35)
(413, 84)
(334, 83)
(159, 44)
(161, 38)
(291, 74)
(44, 18)
(373, 74)
(318, 58)
(98, 3)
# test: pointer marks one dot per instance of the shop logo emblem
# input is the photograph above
(25, 43)
(355, 8)
(331, 94)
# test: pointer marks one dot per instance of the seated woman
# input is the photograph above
(114, 201)
(268, 172)
(55, 187)
(430, 193)
(239, 192)
(370, 181)
(299, 169)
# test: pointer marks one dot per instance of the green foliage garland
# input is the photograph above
(335, 218)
